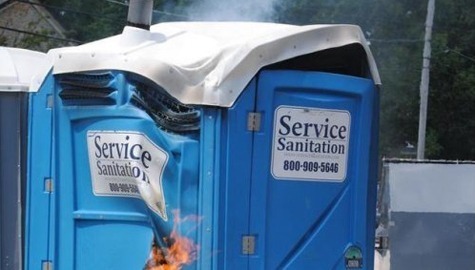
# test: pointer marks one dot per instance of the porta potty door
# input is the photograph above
(313, 181)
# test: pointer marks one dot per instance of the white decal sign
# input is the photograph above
(127, 164)
(310, 144)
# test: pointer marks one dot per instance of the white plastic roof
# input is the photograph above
(207, 63)
(22, 70)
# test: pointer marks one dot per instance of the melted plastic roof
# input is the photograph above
(207, 63)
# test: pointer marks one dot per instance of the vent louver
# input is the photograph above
(84, 89)
(168, 113)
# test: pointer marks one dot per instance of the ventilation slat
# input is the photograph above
(87, 89)
(168, 113)
(90, 80)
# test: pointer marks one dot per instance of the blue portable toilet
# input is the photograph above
(21, 72)
(255, 141)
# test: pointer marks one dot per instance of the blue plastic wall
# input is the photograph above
(225, 176)
(71, 227)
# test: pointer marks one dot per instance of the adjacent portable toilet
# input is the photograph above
(20, 73)
(255, 142)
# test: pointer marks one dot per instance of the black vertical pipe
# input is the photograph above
(140, 13)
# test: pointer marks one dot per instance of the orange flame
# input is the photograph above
(181, 250)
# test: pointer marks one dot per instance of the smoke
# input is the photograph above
(229, 10)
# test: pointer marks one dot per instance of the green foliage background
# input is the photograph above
(395, 29)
